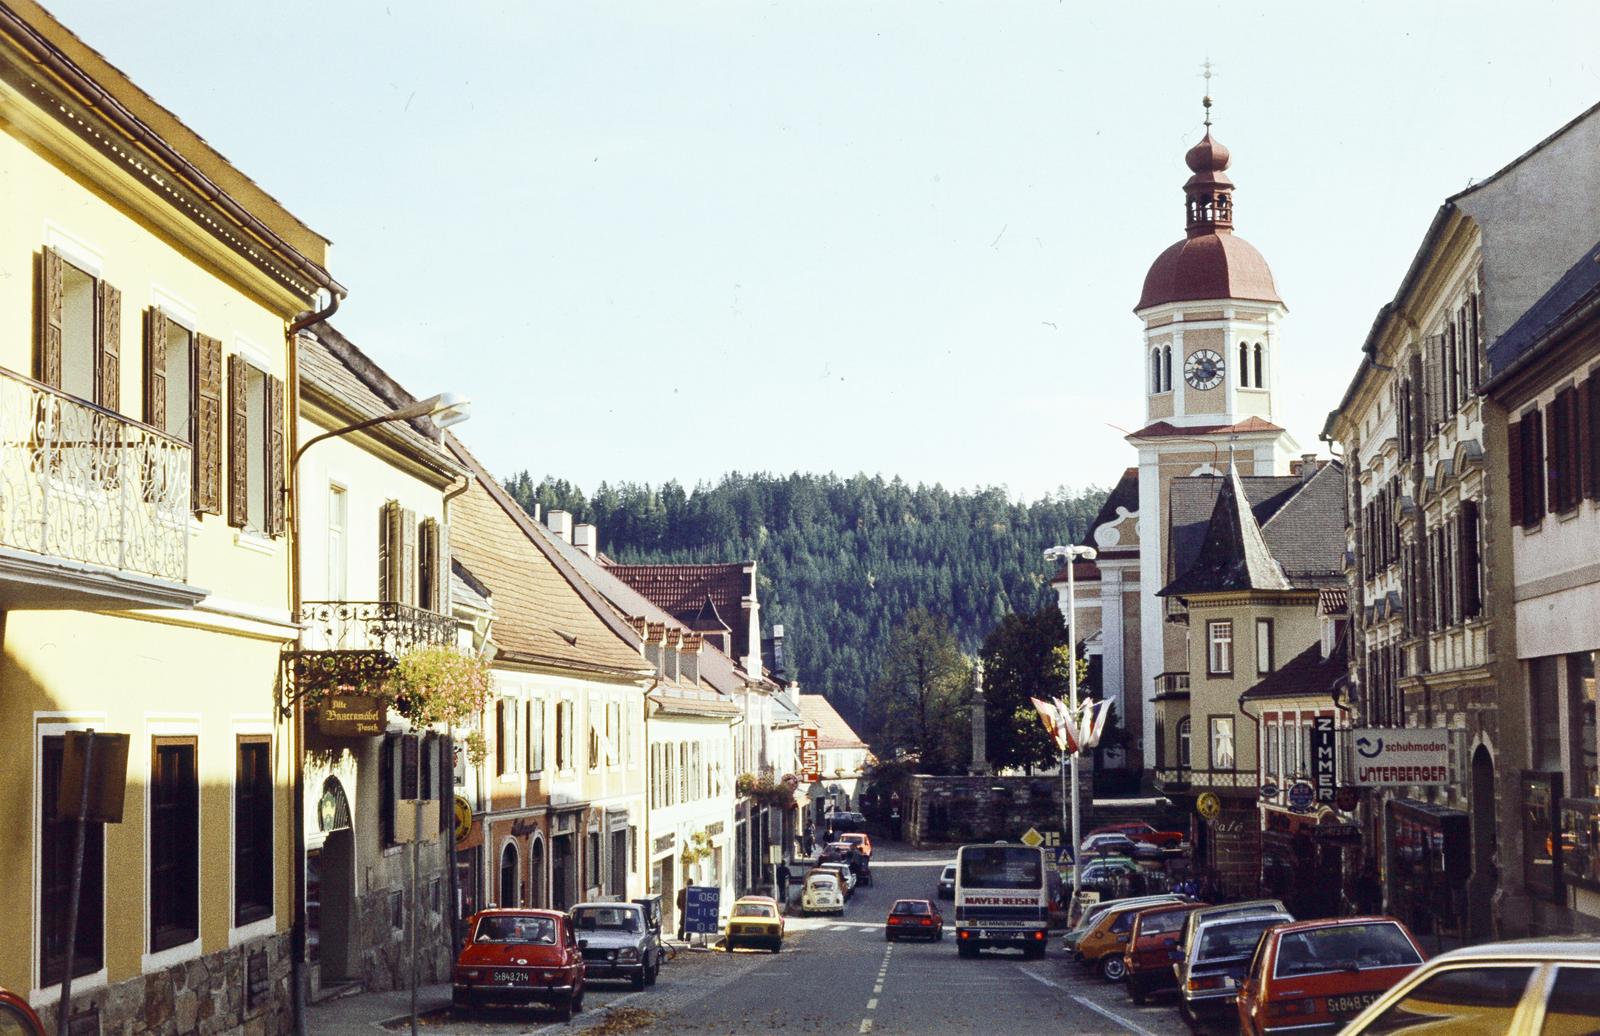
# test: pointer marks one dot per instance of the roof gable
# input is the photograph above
(832, 731)
(1234, 555)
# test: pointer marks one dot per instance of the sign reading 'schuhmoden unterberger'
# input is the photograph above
(1386, 757)
(352, 715)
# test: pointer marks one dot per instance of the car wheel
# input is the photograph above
(727, 944)
(564, 1010)
(888, 937)
(775, 947)
(461, 1004)
(641, 978)
(967, 950)
(651, 973)
(938, 936)
(1112, 969)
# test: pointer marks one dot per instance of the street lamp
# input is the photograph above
(1067, 555)
(446, 409)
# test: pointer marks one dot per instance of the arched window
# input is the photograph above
(1155, 370)
(1261, 381)
(536, 875)
(1166, 368)
(508, 876)
(1244, 365)
(1183, 743)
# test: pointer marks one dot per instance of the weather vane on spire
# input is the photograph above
(1206, 101)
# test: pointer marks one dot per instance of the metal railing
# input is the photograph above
(82, 483)
(386, 626)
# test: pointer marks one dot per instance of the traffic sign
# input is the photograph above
(1269, 790)
(1032, 838)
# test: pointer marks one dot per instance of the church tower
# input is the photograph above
(1211, 346)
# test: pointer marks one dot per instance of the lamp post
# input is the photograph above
(1068, 555)
(446, 409)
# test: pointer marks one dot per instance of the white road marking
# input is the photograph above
(866, 1025)
(878, 988)
(872, 1005)
(1084, 1001)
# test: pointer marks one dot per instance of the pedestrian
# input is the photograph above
(806, 842)
(683, 904)
(783, 884)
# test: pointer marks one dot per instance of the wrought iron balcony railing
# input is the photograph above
(82, 483)
(385, 626)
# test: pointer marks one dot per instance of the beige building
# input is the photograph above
(153, 293)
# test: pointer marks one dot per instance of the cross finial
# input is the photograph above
(1206, 100)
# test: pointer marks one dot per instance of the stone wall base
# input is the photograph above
(206, 996)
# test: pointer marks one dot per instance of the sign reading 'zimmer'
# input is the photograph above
(1389, 757)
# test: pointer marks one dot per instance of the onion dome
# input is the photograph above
(1210, 262)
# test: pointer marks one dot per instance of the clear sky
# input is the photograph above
(659, 239)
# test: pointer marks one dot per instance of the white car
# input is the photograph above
(822, 894)
(847, 877)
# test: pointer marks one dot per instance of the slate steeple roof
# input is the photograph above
(1234, 555)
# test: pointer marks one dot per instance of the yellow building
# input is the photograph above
(144, 565)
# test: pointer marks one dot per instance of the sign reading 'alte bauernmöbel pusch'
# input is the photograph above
(1386, 757)
(352, 715)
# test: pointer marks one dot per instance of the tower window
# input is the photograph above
(1244, 365)
(1261, 381)
(1155, 370)
(1166, 368)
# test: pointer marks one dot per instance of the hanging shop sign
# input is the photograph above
(1208, 805)
(1390, 757)
(810, 760)
(352, 715)
(463, 817)
(1269, 790)
(1302, 796)
(1347, 798)
(1324, 759)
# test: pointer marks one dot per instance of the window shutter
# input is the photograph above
(389, 581)
(1474, 337)
(47, 358)
(1471, 592)
(108, 344)
(1572, 465)
(275, 445)
(1418, 410)
(445, 782)
(1533, 442)
(428, 564)
(408, 557)
(408, 789)
(1550, 459)
(155, 368)
(238, 442)
(1591, 436)
(208, 426)
(386, 789)
(1514, 469)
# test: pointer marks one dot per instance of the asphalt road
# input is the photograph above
(839, 976)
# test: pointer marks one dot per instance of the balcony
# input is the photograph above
(384, 626)
(1172, 683)
(94, 507)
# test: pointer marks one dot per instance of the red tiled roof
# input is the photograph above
(1333, 600)
(682, 591)
(1162, 429)
(832, 730)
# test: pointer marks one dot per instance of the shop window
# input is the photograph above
(56, 840)
(174, 850)
(1541, 795)
(594, 859)
(1544, 705)
(252, 831)
(1584, 779)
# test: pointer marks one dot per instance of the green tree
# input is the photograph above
(920, 697)
(1024, 657)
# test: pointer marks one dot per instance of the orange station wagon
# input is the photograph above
(1313, 976)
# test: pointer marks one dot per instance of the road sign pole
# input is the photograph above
(64, 1008)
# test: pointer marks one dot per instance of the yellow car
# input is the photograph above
(754, 921)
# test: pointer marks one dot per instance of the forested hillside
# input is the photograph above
(842, 560)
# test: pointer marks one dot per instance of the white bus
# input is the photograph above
(1002, 898)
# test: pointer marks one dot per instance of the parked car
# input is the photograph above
(917, 918)
(947, 882)
(16, 1017)
(1147, 962)
(1519, 988)
(1209, 970)
(519, 956)
(847, 877)
(1211, 913)
(840, 821)
(1313, 976)
(1143, 831)
(850, 854)
(617, 943)
(1111, 878)
(1102, 946)
(1093, 914)
(754, 921)
(1118, 845)
(860, 840)
(822, 893)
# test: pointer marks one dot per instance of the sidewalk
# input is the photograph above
(360, 1014)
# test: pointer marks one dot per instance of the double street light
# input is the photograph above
(1083, 737)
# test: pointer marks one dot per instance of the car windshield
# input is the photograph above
(1223, 941)
(1352, 947)
(949, 873)
(510, 928)
(827, 881)
(607, 919)
(751, 910)
(909, 907)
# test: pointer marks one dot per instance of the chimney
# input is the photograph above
(777, 649)
(560, 523)
(689, 663)
(655, 636)
(586, 538)
(1309, 466)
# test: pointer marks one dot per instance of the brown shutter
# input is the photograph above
(1419, 408)
(47, 358)
(207, 426)
(389, 553)
(1576, 454)
(427, 563)
(1475, 337)
(1550, 459)
(155, 369)
(238, 442)
(1471, 591)
(1533, 441)
(1591, 440)
(1514, 469)
(275, 445)
(108, 344)
(408, 557)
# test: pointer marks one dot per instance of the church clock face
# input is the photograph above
(1203, 369)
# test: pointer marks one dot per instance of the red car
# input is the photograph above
(1141, 831)
(1313, 976)
(17, 1017)
(520, 956)
(916, 918)
(1148, 958)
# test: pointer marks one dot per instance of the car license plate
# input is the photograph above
(1350, 1004)
(510, 976)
